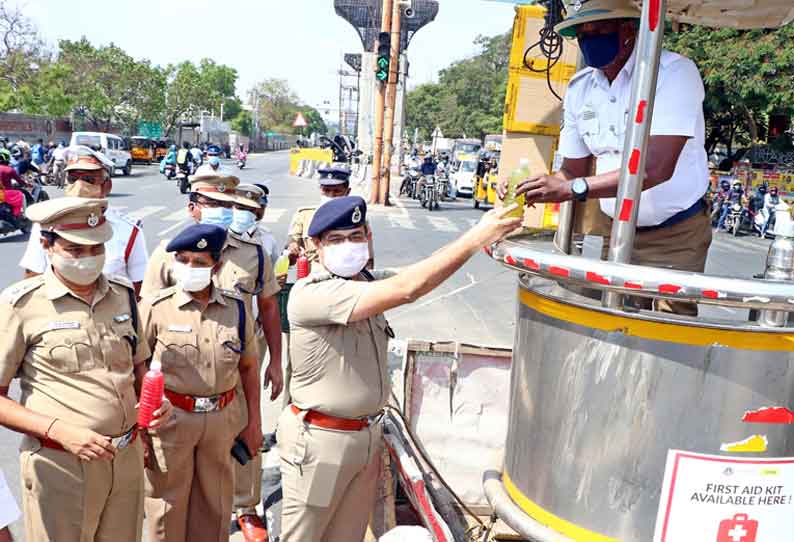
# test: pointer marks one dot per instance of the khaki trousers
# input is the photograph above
(683, 246)
(68, 500)
(190, 485)
(248, 477)
(329, 480)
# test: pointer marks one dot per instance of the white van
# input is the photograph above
(463, 178)
(110, 145)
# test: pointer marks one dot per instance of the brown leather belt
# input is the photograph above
(191, 403)
(120, 442)
(331, 422)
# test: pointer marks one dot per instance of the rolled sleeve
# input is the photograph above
(572, 144)
(12, 344)
(34, 259)
(679, 100)
(329, 302)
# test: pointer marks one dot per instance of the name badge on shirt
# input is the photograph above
(180, 329)
(121, 318)
(63, 325)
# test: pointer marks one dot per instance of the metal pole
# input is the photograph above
(391, 102)
(632, 171)
(380, 99)
(564, 238)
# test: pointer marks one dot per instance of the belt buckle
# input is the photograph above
(124, 440)
(206, 404)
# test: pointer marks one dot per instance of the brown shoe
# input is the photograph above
(253, 528)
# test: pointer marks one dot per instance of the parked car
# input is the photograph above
(110, 145)
(463, 178)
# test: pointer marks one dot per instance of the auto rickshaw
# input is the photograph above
(486, 179)
(142, 149)
(161, 148)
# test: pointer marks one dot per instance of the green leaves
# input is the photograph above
(278, 104)
(469, 97)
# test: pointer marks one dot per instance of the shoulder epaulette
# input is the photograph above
(165, 293)
(14, 293)
(230, 293)
(580, 75)
(120, 279)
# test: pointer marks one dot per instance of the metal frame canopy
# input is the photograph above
(365, 16)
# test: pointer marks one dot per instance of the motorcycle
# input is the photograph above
(410, 182)
(444, 187)
(761, 217)
(10, 223)
(57, 175)
(429, 196)
(735, 218)
(169, 170)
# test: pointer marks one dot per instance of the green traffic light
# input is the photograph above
(382, 75)
(383, 62)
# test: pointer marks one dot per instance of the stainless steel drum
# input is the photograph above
(598, 397)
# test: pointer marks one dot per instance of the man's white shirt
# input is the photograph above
(35, 258)
(596, 114)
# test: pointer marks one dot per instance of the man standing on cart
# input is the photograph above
(673, 229)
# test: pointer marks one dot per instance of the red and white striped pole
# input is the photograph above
(632, 173)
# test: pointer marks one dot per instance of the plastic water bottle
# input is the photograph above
(282, 264)
(151, 394)
(303, 267)
(513, 181)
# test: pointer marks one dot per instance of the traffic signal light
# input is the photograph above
(384, 57)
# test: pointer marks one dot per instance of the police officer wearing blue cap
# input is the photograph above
(334, 183)
(330, 446)
(204, 336)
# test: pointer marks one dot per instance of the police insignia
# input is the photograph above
(577, 5)
(249, 195)
(221, 188)
(202, 244)
(356, 218)
(93, 220)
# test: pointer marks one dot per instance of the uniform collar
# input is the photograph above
(183, 298)
(232, 240)
(625, 72)
(55, 289)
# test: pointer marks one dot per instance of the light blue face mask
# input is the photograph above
(242, 220)
(217, 216)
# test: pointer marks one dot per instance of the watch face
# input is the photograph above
(579, 187)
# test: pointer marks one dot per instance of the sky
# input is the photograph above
(302, 41)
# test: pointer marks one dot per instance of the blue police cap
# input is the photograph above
(334, 175)
(339, 214)
(198, 238)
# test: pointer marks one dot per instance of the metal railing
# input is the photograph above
(636, 280)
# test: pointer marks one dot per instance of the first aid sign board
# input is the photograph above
(708, 498)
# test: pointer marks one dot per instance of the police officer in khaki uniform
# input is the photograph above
(204, 338)
(74, 338)
(334, 183)
(330, 447)
(246, 269)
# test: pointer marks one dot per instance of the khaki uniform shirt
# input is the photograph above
(338, 367)
(199, 348)
(74, 361)
(240, 268)
(299, 233)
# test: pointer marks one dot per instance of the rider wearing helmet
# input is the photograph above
(736, 195)
(771, 201)
(10, 195)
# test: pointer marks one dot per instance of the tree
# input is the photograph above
(243, 123)
(469, 97)
(315, 122)
(108, 85)
(747, 76)
(275, 103)
(21, 48)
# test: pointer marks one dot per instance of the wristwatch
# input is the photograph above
(580, 189)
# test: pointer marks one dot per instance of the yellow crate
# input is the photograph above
(529, 106)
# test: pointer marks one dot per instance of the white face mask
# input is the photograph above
(347, 259)
(242, 221)
(325, 199)
(82, 271)
(192, 279)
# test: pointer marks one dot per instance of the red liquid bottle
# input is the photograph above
(151, 394)
(303, 267)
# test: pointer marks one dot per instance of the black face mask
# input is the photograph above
(600, 50)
